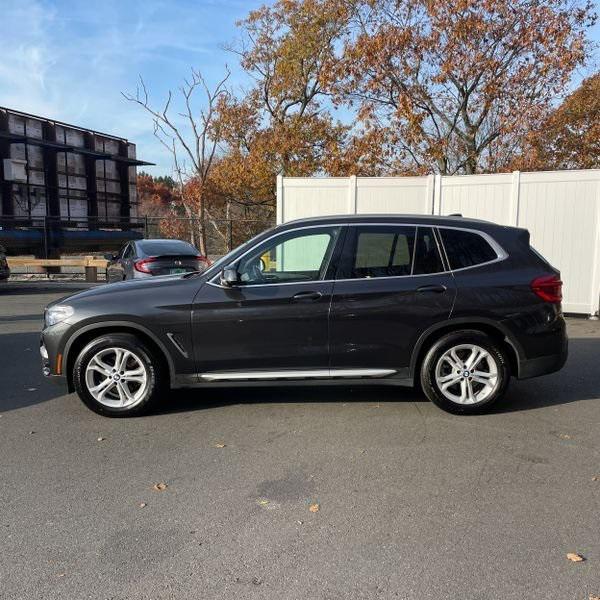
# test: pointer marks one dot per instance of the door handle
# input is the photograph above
(306, 296)
(436, 289)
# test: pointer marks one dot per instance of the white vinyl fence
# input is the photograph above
(561, 210)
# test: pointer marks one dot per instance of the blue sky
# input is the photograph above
(70, 60)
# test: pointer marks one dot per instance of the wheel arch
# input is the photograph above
(86, 334)
(492, 328)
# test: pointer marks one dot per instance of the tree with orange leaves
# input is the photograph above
(458, 84)
(570, 137)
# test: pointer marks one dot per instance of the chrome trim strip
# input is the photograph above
(296, 374)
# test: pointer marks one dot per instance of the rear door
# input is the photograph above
(391, 285)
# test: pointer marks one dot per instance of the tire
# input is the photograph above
(129, 391)
(449, 379)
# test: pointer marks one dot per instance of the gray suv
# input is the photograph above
(453, 305)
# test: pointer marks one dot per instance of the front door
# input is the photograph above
(391, 285)
(275, 318)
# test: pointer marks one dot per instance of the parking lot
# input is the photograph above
(413, 503)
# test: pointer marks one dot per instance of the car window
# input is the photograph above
(128, 251)
(162, 247)
(389, 251)
(466, 248)
(291, 257)
(427, 255)
(377, 251)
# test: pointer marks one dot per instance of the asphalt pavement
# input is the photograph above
(413, 503)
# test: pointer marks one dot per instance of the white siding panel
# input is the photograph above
(406, 195)
(314, 197)
(560, 214)
(484, 197)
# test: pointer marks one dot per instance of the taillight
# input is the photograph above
(142, 265)
(548, 288)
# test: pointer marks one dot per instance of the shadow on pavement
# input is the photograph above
(21, 381)
(579, 380)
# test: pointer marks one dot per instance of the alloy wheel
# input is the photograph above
(467, 374)
(116, 378)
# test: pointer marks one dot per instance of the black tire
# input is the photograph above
(154, 372)
(428, 371)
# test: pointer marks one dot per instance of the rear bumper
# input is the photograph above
(543, 365)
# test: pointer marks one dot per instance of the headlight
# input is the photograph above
(58, 313)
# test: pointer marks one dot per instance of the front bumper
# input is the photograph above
(51, 351)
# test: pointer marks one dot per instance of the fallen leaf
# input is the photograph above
(60, 574)
(101, 439)
(31, 432)
(572, 556)
(160, 487)
(300, 522)
(219, 445)
(314, 508)
(263, 502)
(596, 478)
(592, 597)
(564, 436)
(142, 505)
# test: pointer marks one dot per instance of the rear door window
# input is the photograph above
(427, 255)
(378, 251)
(389, 251)
(466, 248)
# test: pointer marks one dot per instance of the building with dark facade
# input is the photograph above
(64, 187)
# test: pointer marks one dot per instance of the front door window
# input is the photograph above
(292, 257)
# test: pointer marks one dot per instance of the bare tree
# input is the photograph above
(192, 139)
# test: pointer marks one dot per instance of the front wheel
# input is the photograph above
(117, 376)
(465, 372)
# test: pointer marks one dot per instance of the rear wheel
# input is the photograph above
(465, 372)
(116, 375)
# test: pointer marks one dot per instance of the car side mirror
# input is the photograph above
(229, 276)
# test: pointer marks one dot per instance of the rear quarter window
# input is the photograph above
(466, 248)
